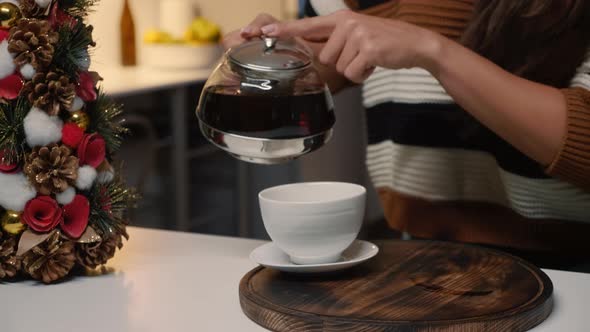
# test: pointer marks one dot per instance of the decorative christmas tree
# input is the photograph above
(62, 203)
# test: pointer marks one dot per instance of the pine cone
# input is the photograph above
(9, 264)
(92, 255)
(51, 169)
(32, 41)
(29, 8)
(50, 260)
(50, 92)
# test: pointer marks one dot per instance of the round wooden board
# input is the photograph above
(409, 286)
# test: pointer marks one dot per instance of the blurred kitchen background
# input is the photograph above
(186, 183)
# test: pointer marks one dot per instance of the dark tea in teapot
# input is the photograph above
(269, 116)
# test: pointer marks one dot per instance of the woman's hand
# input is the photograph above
(334, 80)
(252, 30)
(357, 43)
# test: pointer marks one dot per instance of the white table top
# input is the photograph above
(123, 81)
(171, 281)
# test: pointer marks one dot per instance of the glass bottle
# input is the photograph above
(128, 52)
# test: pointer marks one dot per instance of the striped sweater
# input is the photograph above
(441, 174)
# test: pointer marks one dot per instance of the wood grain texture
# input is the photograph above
(409, 286)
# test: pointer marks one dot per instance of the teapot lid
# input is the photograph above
(269, 54)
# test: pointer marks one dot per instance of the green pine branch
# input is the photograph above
(109, 206)
(105, 120)
(72, 47)
(77, 8)
(12, 133)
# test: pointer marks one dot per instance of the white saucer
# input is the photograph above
(269, 255)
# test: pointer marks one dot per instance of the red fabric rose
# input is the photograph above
(71, 135)
(6, 167)
(4, 33)
(75, 217)
(86, 85)
(42, 214)
(91, 150)
(58, 17)
(10, 86)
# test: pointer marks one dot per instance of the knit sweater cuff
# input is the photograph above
(572, 163)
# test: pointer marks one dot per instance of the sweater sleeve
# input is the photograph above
(572, 162)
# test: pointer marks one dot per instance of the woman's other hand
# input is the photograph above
(252, 30)
(357, 43)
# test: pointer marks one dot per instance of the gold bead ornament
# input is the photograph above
(9, 14)
(80, 118)
(11, 223)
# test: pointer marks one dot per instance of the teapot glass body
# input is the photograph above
(266, 104)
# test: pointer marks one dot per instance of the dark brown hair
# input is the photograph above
(541, 40)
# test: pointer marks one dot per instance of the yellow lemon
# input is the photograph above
(202, 30)
(154, 36)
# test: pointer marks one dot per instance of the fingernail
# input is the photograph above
(246, 30)
(268, 29)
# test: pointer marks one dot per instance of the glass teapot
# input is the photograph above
(265, 103)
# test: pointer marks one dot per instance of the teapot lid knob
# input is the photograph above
(269, 43)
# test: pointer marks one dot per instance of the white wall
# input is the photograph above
(230, 14)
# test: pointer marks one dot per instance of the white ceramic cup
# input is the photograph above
(313, 222)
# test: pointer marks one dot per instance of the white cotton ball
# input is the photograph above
(105, 177)
(15, 191)
(86, 176)
(66, 197)
(77, 104)
(42, 129)
(7, 66)
(27, 71)
(43, 3)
